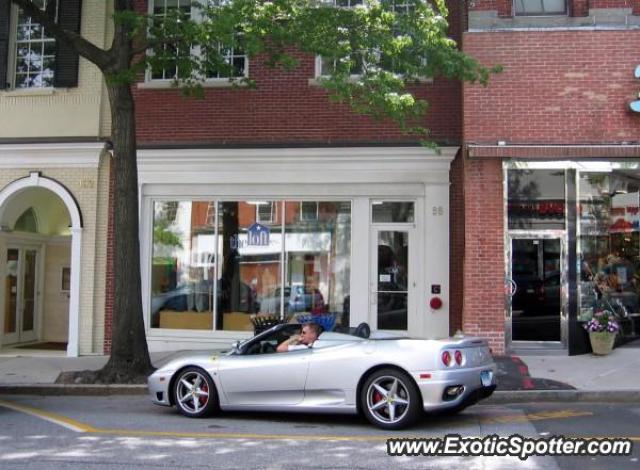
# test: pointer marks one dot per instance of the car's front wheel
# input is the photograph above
(195, 393)
(390, 399)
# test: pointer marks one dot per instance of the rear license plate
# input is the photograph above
(486, 377)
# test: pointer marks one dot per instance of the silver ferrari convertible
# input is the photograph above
(389, 380)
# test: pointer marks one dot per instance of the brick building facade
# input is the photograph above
(560, 105)
(285, 147)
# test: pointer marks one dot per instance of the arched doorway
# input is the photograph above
(40, 252)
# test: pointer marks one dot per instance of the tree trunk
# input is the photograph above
(129, 355)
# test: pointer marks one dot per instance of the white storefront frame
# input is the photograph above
(357, 174)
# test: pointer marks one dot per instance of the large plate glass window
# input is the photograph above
(250, 251)
(317, 261)
(609, 229)
(183, 265)
(217, 264)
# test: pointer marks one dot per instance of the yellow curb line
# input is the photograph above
(60, 420)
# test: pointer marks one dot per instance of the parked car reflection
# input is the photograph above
(297, 298)
(198, 297)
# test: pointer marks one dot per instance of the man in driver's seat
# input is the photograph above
(305, 340)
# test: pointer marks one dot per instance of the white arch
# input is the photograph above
(36, 180)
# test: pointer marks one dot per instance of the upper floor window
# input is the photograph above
(344, 3)
(359, 60)
(308, 211)
(265, 212)
(234, 57)
(34, 50)
(30, 57)
(540, 7)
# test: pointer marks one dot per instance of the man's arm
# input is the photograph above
(284, 346)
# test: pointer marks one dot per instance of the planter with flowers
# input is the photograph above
(602, 329)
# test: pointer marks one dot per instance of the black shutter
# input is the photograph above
(5, 10)
(66, 73)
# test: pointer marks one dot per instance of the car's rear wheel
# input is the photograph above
(390, 399)
(195, 393)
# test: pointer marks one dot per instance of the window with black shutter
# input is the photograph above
(66, 71)
(30, 57)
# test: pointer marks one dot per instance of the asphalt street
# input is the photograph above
(130, 432)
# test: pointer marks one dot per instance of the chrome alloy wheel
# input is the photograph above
(388, 399)
(192, 392)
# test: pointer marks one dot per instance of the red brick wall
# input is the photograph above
(483, 292)
(456, 241)
(610, 3)
(560, 87)
(285, 109)
(579, 7)
(109, 285)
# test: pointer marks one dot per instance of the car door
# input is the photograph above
(265, 379)
(334, 372)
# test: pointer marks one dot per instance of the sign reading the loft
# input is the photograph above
(257, 235)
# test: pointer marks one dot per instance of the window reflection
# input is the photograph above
(35, 50)
(609, 214)
(250, 246)
(536, 199)
(393, 269)
(249, 277)
(183, 265)
(317, 261)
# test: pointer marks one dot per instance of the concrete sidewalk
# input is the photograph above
(520, 378)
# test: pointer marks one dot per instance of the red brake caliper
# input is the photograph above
(205, 388)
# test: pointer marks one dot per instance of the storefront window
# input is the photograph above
(536, 199)
(609, 229)
(250, 262)
(317, 261)
(183, 265)
(247, 239)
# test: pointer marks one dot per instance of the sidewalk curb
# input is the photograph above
(602, 396)
(73, 389)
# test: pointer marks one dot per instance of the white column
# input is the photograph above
(436, 322)
(359, 289)
(73, 345)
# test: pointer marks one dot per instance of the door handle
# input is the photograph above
(510, 287)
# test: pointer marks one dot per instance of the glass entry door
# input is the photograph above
(20, 294)
(392, 284)
(536, 288)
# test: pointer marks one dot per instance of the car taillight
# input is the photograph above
(446, 358)
(458, 357)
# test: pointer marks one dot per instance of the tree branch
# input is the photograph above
(86, 49)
